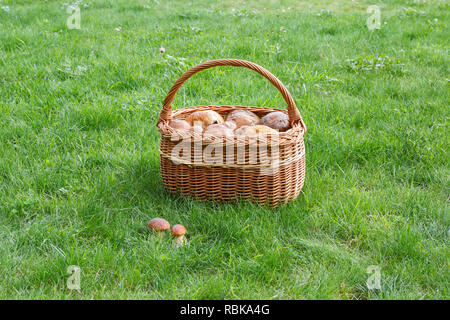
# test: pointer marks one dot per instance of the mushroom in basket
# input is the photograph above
(243, 118)
(204, 118)
(276, 120)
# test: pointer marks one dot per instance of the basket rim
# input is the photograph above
(291, 136)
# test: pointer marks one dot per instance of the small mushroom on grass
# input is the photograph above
(159, 226)
(178, 231)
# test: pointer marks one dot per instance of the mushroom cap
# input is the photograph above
(205, 118)
(243, 118)
(255, 130)
(276, 120)
(218, 130)
(158, 224)
(179, 124)
(230, 124)
(178, 230)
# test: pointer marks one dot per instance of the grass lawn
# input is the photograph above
(79, 161)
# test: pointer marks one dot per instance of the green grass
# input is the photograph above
(79, 162)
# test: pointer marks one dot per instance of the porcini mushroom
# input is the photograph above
(159, 225)
(204, 118)
(230, 124)
(180, 125)
(255, 130)
(243, 118)
(276, 120)
(178, 231)
(218, 130)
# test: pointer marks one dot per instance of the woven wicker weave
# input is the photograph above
(233, 178)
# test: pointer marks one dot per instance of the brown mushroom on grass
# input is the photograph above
(159, 226)
(178, 231)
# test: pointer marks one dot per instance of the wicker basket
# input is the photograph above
(267, 170)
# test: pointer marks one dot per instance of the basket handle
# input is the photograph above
(294, 114)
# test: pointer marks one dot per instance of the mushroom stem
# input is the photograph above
(159, 234)
(179, 241)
